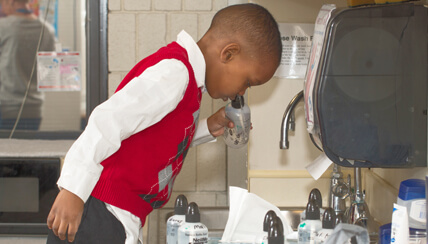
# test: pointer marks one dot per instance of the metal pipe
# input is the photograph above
(358, 188)
(283, 144)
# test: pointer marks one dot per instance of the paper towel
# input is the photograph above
(319, 166)
(246, 216)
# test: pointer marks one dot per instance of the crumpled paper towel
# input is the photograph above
(343, 232)
(246, 216)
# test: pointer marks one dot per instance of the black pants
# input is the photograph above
(98, 225)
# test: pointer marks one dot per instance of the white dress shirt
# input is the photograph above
(144, 101)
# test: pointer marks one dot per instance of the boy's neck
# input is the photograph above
(210, 44)
(202, 44)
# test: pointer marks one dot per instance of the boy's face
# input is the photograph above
(224, 80)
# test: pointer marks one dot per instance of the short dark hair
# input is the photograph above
(255, 23)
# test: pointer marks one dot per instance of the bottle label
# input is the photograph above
(172, 230)
(193, 234)
(307, 235)
(171, 234)
(236, 136)
(193, 238)
(418, 210)
(321, 237)
(304, 237)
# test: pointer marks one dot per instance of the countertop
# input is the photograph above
(34, 148)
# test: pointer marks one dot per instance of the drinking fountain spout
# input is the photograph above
(283, 144)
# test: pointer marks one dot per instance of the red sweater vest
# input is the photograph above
(140, 175)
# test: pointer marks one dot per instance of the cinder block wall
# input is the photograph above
(137, 28)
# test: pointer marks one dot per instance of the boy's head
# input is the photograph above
(242, 48)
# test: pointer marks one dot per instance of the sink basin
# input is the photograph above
(215, 218)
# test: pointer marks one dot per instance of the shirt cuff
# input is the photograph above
(202, 134)
(78, 180)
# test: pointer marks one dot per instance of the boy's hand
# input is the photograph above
(217, 122)
(65, 215)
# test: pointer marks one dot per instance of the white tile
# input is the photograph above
(135, 5)
(182, 21)
(114, 4)
(211, 172)
(222, 199)
(205, 199)
(204, 22)
(206, 106)
(186, 179)
(114, 80)
(219, 4)
(167, 5)
(197, 5)
(233, 2)
(121, 37)
(150, 39)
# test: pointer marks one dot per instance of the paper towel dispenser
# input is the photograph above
(369, 92)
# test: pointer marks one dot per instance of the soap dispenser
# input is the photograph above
(193, 231)
(269, 216)
(239, 113)
(328, 224)
(315, 195)
(309, 228)
(276, 233)
(175, 221)
(267, 221)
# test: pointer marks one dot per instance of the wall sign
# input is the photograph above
(296, 46)
(58, 71)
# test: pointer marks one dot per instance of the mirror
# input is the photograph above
(46, 46)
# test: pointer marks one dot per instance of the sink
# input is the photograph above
(215, 218)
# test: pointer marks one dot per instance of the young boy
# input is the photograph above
(125, 162)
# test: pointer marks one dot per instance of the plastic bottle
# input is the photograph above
(328, 223)
(267, 221)
(308, 229)
(193, 231)
(174, 222)
(315, 195)
(270, 215)
(276, 232)
(239, 113)
(412, 196)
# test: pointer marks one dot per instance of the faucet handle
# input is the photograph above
(341, 190)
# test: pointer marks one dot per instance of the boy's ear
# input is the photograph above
(229, 52)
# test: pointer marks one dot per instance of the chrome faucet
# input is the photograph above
(286, 120)
(339, 190)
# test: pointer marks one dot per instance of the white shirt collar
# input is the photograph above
(196, 58)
